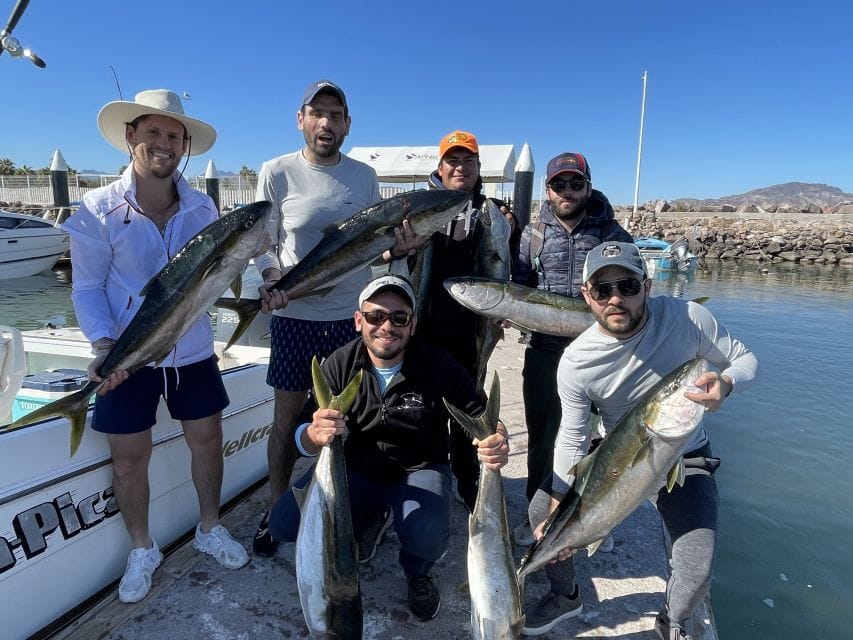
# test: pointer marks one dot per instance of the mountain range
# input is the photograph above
(790, 196)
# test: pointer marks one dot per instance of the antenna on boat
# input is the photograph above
(115, 77)
(10, 43)
(640, 148)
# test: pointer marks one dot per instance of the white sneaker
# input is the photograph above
(522, 535)
(219, 543)
(136, 581)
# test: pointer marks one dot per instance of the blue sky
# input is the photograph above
(741, 94)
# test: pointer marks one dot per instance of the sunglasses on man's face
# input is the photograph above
(397, 318)
(627, 287)
(558, 184)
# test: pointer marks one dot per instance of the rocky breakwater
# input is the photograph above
(802, 238)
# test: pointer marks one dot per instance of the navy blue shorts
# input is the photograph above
(296, 342)
(192, 392)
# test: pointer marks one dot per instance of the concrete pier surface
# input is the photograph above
(193, 597)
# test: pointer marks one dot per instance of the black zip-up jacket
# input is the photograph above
(406, 428)
(563, 254)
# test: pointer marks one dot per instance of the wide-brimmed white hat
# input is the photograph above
(114, 117)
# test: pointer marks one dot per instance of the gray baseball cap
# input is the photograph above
(613, 254)
(397, 284)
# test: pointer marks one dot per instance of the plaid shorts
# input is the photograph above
(296, 342)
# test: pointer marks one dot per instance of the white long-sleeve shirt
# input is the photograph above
(615, 373)
(115, 251)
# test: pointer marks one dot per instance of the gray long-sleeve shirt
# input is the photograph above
(615, 373)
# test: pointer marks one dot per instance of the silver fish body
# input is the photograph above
(181, 293)
(526, 308)
(326, 561)
(364, 236)
(496, 605)
(629, 465)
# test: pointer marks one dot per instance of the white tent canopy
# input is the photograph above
(415, 164)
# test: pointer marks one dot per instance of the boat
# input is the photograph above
(662, 256)
(29, 245)
(62, 539)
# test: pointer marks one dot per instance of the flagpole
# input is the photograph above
(640, 148)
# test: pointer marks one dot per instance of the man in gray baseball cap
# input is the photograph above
(619, 254)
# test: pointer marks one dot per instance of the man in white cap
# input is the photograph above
(397, 442)
(310, 189)
(121, 236)
(636, 341)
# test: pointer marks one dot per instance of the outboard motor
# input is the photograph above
(678, 251)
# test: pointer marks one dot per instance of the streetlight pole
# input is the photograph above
(640, 148)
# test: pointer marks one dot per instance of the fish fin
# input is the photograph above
(73, 406)
(146, 289)
(581, 473)
(384, 230)
(643, 453)
(78, 426)
(592, 547)
(322, 392)
(493, 407)
(345, 399)
(520, 326)
(676, 474)
(474, 427)
(701, 299)
(299, 493)
(246, 311)
(237, 287)
(210, 267)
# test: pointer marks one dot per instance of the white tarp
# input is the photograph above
(415, 164)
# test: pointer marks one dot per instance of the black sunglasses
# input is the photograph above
(397, 318)
(628, 288)
(558, 184)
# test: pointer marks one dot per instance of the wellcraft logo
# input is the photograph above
(249, 437)
(32, 527)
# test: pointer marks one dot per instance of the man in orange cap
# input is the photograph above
(445, 323)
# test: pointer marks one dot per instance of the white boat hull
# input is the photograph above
(62, 538)
(29, 245)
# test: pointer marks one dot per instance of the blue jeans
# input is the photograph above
(420, 501)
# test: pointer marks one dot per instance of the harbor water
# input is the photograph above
(784, 562)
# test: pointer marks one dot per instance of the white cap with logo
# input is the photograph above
(395, 283)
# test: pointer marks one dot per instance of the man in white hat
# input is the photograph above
(121, 236)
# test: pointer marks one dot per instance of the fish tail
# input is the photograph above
(246, 311)
(73, 406)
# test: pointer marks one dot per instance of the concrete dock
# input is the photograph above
(193, 597)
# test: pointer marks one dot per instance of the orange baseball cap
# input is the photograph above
(458, 139)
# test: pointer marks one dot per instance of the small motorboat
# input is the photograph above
(62, 539)
(661, 255)
(29, 245)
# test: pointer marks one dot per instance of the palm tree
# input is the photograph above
(7, 167)
(25, 170)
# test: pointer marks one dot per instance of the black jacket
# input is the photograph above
(563, 254)
(406, 428)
